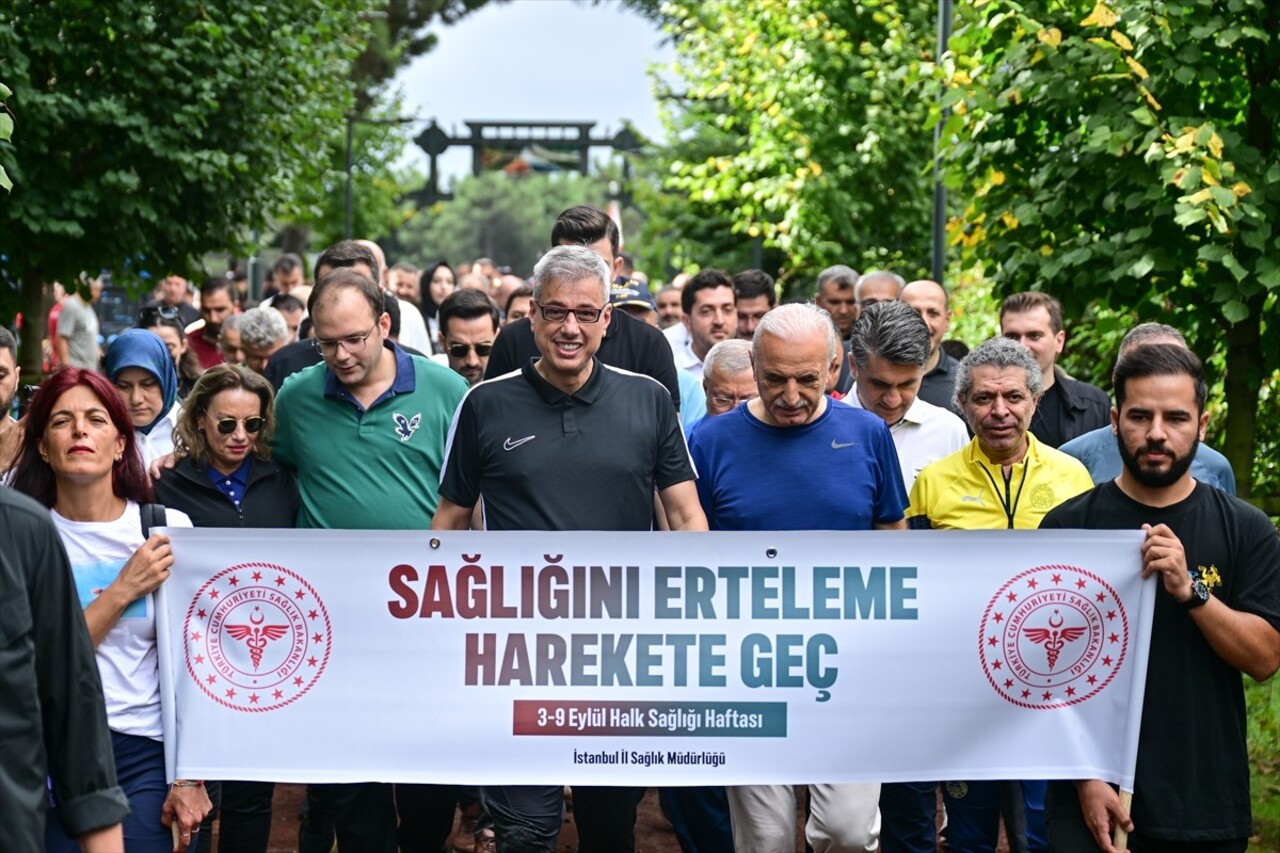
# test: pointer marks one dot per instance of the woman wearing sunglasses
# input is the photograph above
(224, 477)
(79, 458)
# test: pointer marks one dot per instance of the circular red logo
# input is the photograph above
(1053, 636)
(257, 637)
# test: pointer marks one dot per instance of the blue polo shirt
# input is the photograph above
(232, 485)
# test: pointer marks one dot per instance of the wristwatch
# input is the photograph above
(1199, 595)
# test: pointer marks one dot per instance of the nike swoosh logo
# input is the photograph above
(512, 445)
(840, 445)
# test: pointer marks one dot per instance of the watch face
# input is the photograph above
(1199, 594)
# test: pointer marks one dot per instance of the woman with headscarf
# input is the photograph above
(139, 365)
(80, 460)
(437, 283)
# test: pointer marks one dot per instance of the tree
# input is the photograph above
(152, 133)
(808, 136)
(504, 217)
(1127, 156)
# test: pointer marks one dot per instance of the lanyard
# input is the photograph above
(1010, 509)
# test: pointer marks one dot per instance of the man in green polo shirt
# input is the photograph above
(365, 430)
(365, 433)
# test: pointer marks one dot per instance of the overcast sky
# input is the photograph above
(537, 60)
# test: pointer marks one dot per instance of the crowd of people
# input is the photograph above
(581, 399)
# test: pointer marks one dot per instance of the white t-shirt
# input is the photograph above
(127, 657)
(925, 434)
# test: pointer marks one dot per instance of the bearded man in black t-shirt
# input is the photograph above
(1217, 615)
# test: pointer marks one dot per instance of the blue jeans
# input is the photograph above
(140, 771)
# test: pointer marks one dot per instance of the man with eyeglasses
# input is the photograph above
(468, 325)
(509, 444)
(387, 413)
(851, 481)
(626, 342)
(302, 354)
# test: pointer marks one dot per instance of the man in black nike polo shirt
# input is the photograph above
(567, 443)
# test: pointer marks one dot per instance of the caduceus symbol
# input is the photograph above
(256, 635)
(1054, 638)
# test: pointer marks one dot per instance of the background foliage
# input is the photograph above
(1125, 158)
(795, 126)
(504, 217)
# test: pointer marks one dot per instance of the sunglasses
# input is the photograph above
(461, 350)
(252, 425)
(152, 313)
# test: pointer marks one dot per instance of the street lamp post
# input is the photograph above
(348, 211)
(945, 10)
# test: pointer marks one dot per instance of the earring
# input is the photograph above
(121, 456)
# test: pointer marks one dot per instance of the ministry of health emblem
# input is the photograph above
(257, 637)
(1053, 636)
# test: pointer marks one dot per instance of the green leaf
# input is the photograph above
(1235, 311)
(1190, 216)
(1268, 273)
(1233, 266)
(1213, 253)
(4, 180)
(1223, 196)
(1142, 266)
(1144, 117)
(6, 127)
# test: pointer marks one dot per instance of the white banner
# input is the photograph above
(653, 658)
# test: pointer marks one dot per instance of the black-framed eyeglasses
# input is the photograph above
(252, 425)
(461, 350)
(351, 343)
(556, 314)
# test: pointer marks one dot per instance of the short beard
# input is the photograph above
(1157, 479)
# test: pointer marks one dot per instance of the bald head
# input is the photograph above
(380, 257)
(877, 286)
(929, 299)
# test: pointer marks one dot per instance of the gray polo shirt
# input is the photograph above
(546, 460)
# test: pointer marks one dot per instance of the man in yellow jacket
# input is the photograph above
(1004, 478)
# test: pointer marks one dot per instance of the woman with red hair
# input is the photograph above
(79, 458)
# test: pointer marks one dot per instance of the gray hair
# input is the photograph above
(262, 327)
(232, 323)
(728, 357)
(999, 352)
(1145, 333)
(796, 322)
(570, 264)
(841, 276)
(892, 331)
(898, 281)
